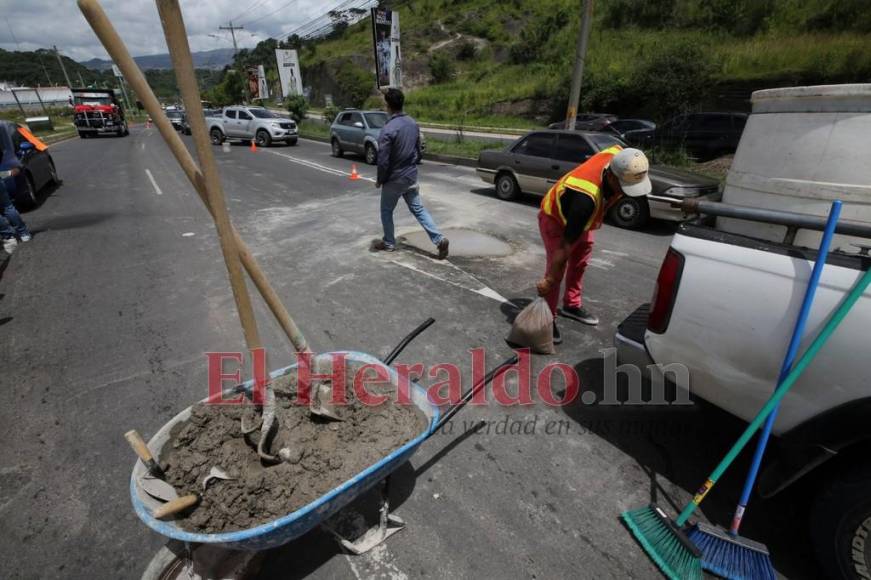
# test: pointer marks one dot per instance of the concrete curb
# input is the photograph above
(59, 138)
(449, 159)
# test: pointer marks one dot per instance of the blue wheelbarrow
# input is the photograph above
(293, 525)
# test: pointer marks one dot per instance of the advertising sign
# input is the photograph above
(388, 57)
(289, 72)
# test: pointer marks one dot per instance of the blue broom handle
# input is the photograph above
(792, 352)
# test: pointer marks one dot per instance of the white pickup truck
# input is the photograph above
(252, 123)
(729, 292)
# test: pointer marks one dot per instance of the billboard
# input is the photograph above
(388, 58)
(257, 86)
(289, 72)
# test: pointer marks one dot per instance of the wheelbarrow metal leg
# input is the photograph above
(388, 524)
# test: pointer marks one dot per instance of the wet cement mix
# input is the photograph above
(321, 454)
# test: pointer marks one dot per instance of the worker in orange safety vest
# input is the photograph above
(572, 211)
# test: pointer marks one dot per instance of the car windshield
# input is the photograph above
(602, 141)
(263, 114)
(376, 120)
(93, 99)
(174, 114)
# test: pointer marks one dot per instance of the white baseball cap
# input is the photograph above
(631, 168)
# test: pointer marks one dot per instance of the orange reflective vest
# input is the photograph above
(40, 146)
(586, 178)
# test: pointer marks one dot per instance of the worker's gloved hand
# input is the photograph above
(544, 286)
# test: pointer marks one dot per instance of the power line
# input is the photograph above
(232, 30)
(247, 10)
(268, 14)
(317, 26)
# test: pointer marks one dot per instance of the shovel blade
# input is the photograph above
(157, 488)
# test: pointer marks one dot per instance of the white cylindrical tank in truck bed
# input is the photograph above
(802, 148)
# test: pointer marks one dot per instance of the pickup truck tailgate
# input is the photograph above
(735, 309)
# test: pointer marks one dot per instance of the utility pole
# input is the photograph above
(62, 67)
(82, 82)
(580, 56)
(232, 30)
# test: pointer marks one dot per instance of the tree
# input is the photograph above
(442, 69)
(297, 106)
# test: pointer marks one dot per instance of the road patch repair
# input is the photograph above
(464, 243)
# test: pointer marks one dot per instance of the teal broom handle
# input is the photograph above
(805, 360)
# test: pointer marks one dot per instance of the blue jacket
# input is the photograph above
(398, 150)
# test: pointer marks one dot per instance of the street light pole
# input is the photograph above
(580, 56)
(232, 30)
(62, 67)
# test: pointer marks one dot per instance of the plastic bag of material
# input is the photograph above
(533, 328)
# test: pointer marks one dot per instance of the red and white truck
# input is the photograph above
(98, 112)
(730, 289)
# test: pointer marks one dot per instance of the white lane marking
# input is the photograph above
(142, 145)
(157, 189)
(484, 291)
(317, 166)
(188, 235)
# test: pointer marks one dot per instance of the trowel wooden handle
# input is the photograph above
(175, 506)
(138, 444)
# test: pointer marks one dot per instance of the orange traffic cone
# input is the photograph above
(253, 145)
(354, 175)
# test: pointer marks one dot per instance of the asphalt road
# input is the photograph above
(107, 314)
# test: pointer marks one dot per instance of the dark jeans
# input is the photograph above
(11, 224)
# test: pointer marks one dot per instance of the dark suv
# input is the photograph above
(702, 135)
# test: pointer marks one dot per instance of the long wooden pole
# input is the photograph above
(108, 36)
(177, 42)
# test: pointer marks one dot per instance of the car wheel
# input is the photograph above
(83, 135)
(217, 136)
(506, 187)
(263, 138)
(293, 142)
(630, 212)
(337, 149)
(28, 195)
(840, 524)
(52, 172)
(371, 154)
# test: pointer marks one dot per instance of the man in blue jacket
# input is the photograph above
(398, 154)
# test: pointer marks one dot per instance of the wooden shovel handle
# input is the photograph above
(138, 444)
(175, 506)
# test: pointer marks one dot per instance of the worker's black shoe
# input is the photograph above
(380, 246)
(443, 248)
(579, 314)
(557, 337)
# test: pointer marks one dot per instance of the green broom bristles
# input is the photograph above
(667, 546)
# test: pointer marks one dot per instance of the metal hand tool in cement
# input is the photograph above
(179, 504)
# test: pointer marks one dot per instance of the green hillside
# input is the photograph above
(509, 62)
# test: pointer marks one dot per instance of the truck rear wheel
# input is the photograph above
(840, 525)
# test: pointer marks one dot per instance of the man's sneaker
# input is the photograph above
(9, 245)
(380, 246)
(26, 237)
(443, 248)
(557, 337)
(580, 315)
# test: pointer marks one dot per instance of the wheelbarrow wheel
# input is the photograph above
(168, 564)
(172, 562)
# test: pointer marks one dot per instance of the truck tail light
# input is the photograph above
(666, 292)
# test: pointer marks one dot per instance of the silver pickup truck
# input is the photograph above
(252, 123)
(730, 288)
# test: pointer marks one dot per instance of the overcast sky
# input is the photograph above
(42, 23)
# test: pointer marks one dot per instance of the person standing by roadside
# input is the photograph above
(571, 212)
(398, 153)
(11, 224)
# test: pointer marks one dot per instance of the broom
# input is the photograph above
(662, 539)
(726, 553)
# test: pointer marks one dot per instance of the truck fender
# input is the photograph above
(803, 449)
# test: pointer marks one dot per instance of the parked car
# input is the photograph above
(701, 135)
(24, 169)
(587, 122)
(626, 128)
(252, 123)
(535, 162)
(357, 132)
(728, 295)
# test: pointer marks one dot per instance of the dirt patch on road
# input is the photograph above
(320, 454)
